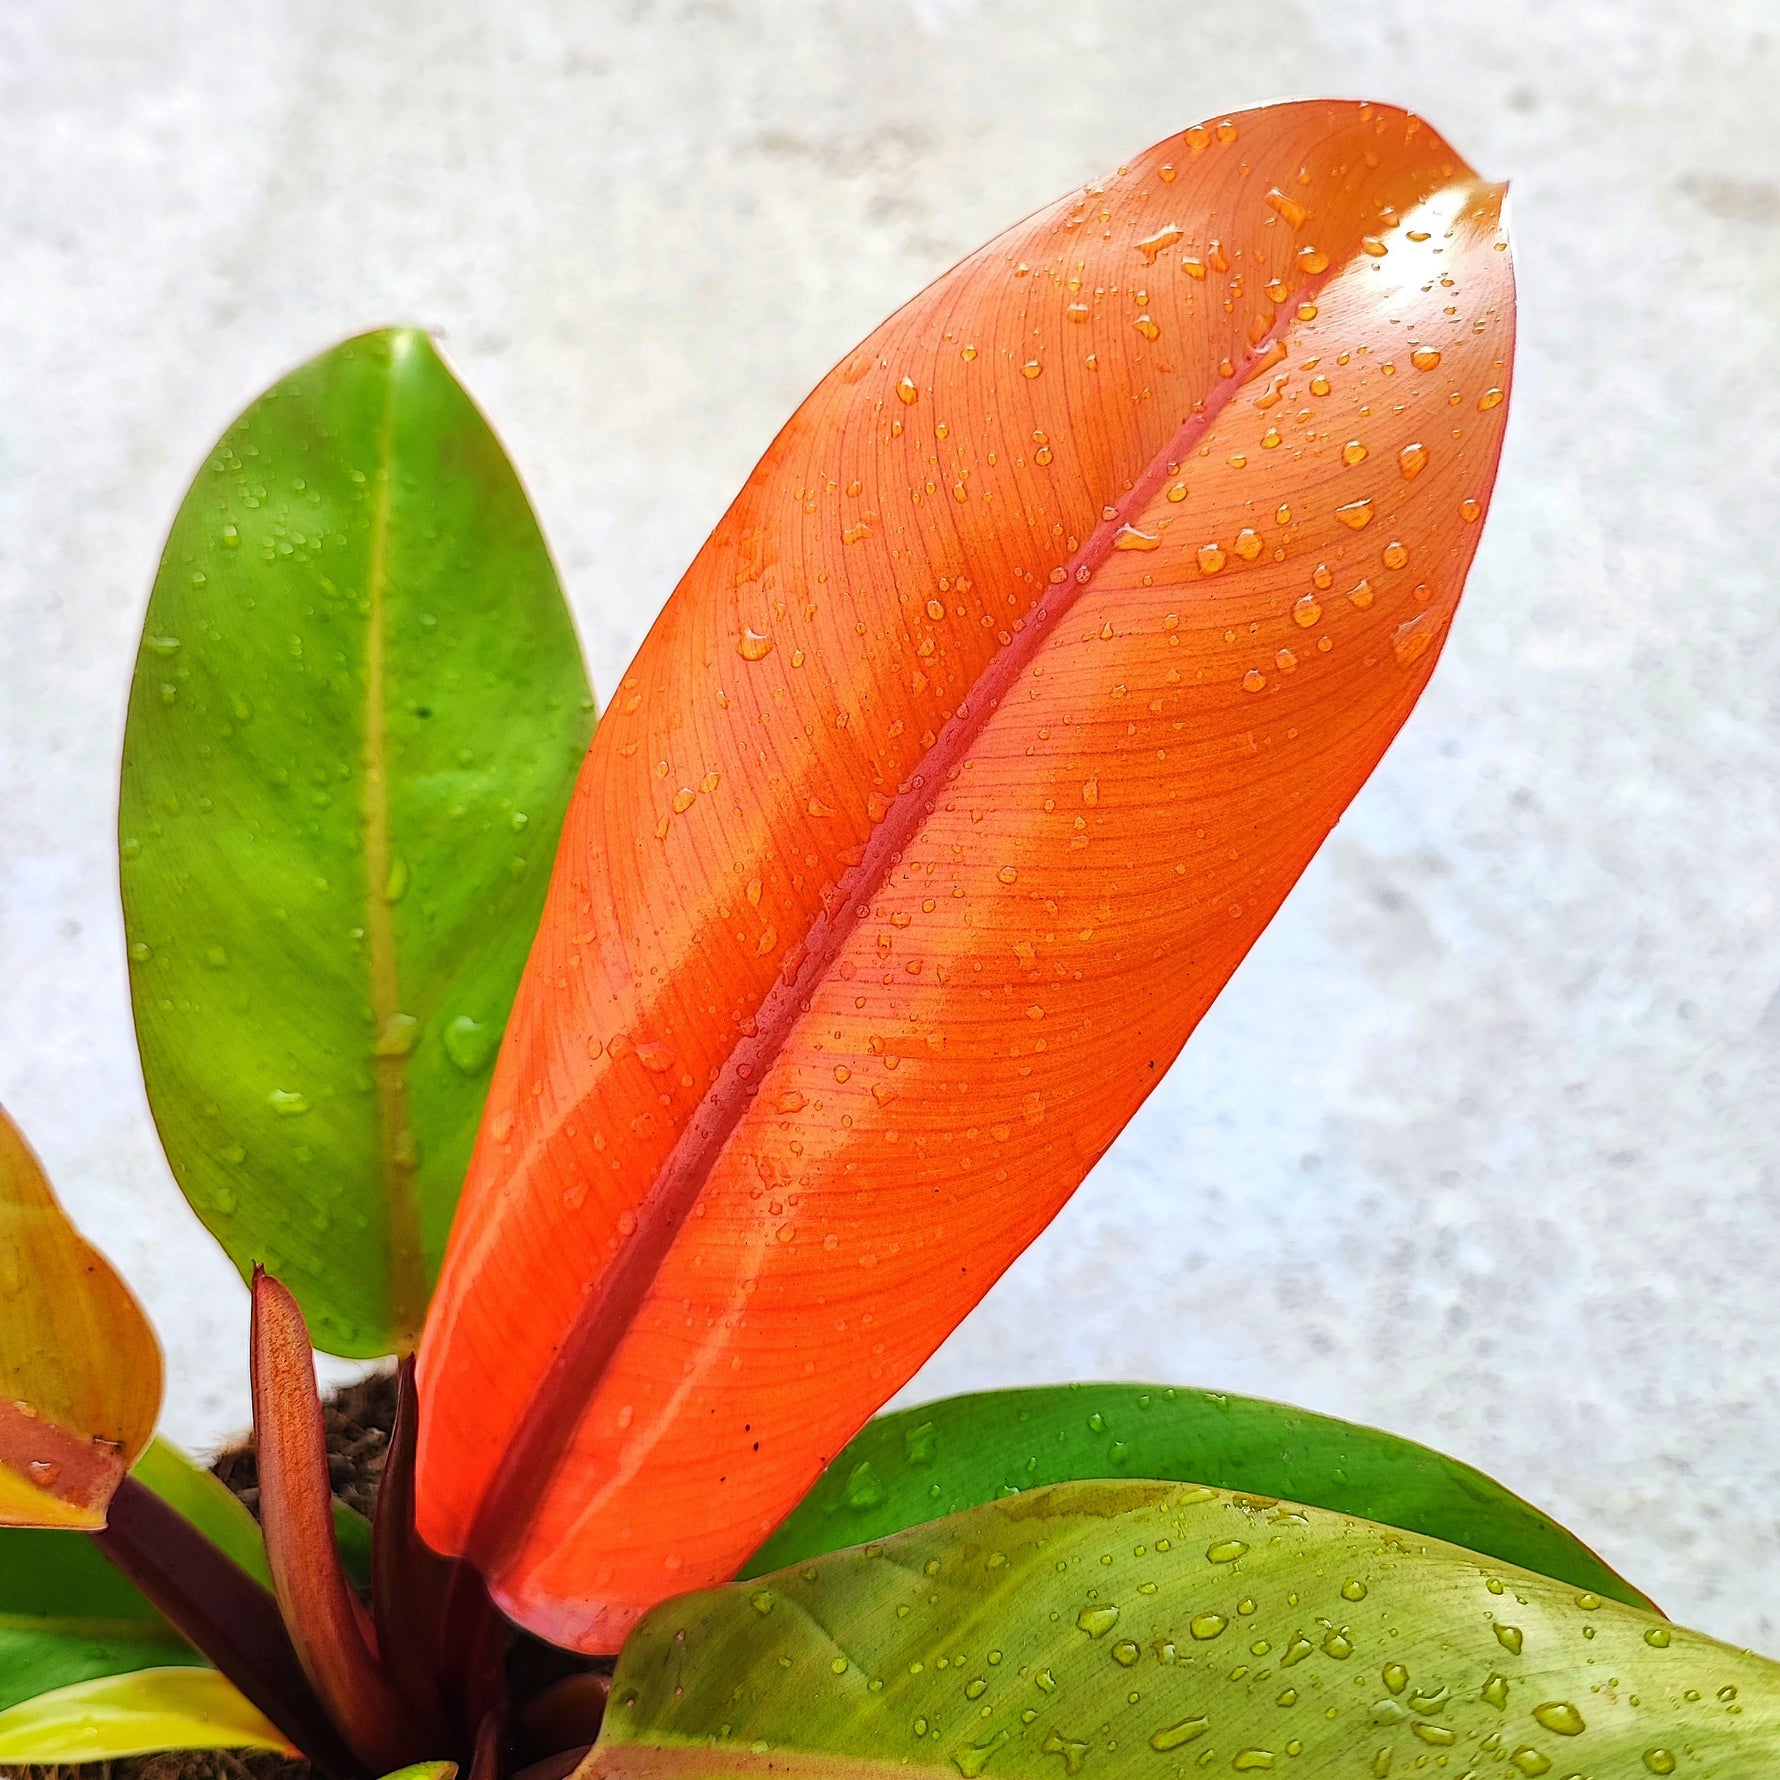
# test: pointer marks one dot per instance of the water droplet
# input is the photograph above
(43, 1472)
(1126, 1652)
(864, 1488)
(1007, 874)
(1249, 1761)
(1528, 1760)
(1353, 1590)
(1396, 1677)
(1424, 358)
(1147, 327)
(1173, 1736)
(684, 799)
(1211, 559)
(1225, 1551)
(1353, 452)
(1412, 460)
(1254, 681)
(1509, 1637)
(906, 389)
(396, 1039)
(1067, 1747)
(658, 1059)
(1128, 537)
(287, 1102)
(1031, 368)
(1396, 554)
(1470, 511)
(1372, 246)
(1288, 209)
(762, 1600)
(1295, 1652)
(1657, 1637)
(1660, 1761)
(1285, 661)
(1206, 1626)
(752, 646)
(1319, 385)
(1355, 514)
(469, 1043)
(1226, 131)
(1311, 260)
(970, 1761)
(1337, 1644)
(1491, 398)
(1561, 1718)
(1097, 1621)
(1248, 545)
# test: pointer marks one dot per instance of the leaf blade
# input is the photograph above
(352, 735)
(730, 972)
(1141, 1628)
(937, 1459)
(115, 1716)
(80, 1369)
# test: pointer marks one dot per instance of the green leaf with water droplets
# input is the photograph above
(355, 723)
(941, 1457)
(982, 1645)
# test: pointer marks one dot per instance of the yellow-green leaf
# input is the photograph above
(80, 1369)
(135, 1714)
(1156, 1630)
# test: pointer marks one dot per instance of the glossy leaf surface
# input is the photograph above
(937, 1459)
(353, 730)
(67, 1616)
(1157, 1630)
(133, 1714)
(80, 1369)
(979, 742)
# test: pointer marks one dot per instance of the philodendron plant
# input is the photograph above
(974, 750)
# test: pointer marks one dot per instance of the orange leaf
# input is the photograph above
(80, 1370)
(980, 741)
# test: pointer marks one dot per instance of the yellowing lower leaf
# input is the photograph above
(1156, 1631)
(121, 1715)
(80, 1370)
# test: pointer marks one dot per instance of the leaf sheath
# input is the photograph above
(328, 1627)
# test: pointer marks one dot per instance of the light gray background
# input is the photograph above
(1481, 1143)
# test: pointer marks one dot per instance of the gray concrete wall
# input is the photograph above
(1481, 1143)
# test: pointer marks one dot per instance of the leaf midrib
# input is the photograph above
(406, 1284)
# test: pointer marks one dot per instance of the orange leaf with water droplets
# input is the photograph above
(905, 1029)
(80, 1369)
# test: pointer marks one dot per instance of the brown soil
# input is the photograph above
(358, 1419)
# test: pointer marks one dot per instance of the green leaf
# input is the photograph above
(115, 1716)
(355, 723)
(66, 1616)
(1152, 1630)
(922, 1463)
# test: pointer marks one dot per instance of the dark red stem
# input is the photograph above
(409, 1580)
(328, 1626)
(225, 1614)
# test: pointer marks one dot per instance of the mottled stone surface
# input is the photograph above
(1481, 1144)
